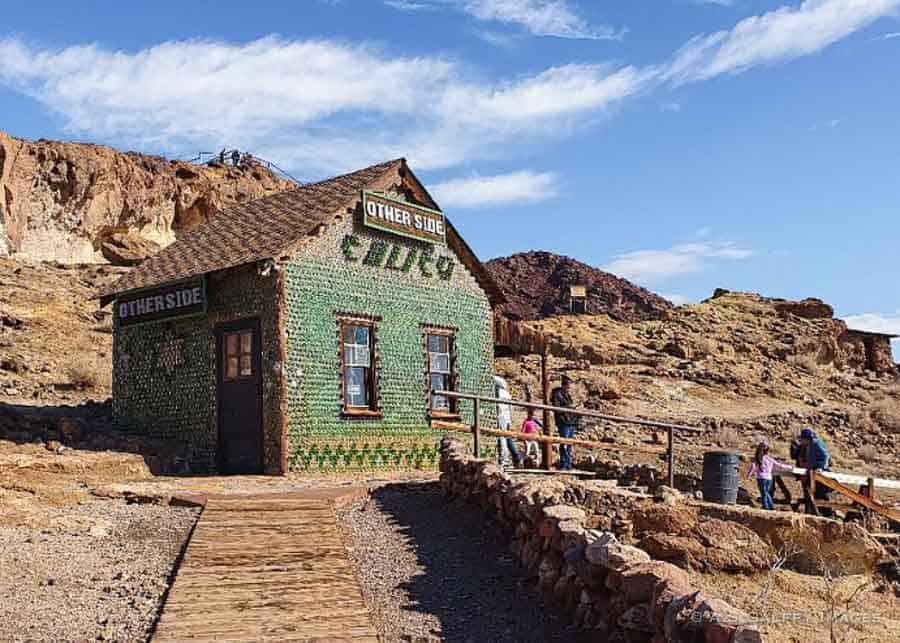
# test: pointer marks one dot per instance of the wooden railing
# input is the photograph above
(864, 497)
(477, 430)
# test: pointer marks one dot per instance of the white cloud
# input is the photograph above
(324, 106)
(503, 189)
(320, 104)
(658, 265)
(538, 17)
(888, 36)
(779, 35)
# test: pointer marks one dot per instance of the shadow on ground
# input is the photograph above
(471, 582)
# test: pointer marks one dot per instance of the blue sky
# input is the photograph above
(685, 144)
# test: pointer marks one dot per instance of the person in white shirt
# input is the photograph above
(504, 423)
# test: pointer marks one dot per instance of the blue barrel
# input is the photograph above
(721, 477)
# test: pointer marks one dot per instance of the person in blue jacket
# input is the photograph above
(817, 458)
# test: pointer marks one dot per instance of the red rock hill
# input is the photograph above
(537, 286)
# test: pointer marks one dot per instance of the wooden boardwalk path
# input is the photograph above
(266, 567)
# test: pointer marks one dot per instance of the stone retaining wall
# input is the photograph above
(570, 536)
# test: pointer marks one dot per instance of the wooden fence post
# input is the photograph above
(671, 457)
(476, 428)
(546, 450)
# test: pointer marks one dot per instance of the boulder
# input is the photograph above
(613, 555)
(127, 248)
(665, 591)
(638, 581)
(733, 548)
(677, 518)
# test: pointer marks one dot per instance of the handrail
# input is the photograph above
(476, 428)
(568, 411)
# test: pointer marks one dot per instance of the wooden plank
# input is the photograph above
(858, 498)
(266, 567)
(846, 478)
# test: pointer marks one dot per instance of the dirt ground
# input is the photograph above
(794, 608)
(98, 573)
(434, 557)
(431, 571)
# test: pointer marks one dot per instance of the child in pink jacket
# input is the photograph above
(763, 468)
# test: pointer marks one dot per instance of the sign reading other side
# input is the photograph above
(405, 219)
(165, 302)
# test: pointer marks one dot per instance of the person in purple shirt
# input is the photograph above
(763, 468)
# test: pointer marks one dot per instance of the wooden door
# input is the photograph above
(239, 397)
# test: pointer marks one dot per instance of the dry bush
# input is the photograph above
(886, 412)
(868, 453)
(806, 362)
(86, 372)
(728, 437)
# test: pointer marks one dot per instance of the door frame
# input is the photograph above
(220, 329)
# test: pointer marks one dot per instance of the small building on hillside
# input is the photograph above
(305, 330)
(876, 347)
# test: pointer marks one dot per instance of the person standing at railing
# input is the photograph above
(566, 423)
(504, 423)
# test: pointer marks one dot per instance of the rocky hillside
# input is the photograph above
(78, 203)
(537, 286)
(740, 365)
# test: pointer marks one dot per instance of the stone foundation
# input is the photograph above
(573, 536)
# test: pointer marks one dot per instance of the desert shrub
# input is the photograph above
(886, 412)
(87, 372)
(728, 437)
(868, 453)
(806, 362)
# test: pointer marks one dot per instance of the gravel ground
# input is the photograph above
(437, 571)
(99, 575)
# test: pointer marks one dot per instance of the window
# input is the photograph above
(238, 348)
(358, 372)
(440, 364)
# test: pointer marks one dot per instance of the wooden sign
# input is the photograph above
(402, 218)
(162, 303)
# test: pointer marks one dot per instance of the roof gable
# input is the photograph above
(279, 224)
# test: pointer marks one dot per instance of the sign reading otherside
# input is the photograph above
(161, 303)
(406, 219)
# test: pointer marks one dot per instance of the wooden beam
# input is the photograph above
(858, 498)
(849, 479)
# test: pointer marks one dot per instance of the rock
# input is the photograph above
(723, 623)
(676, 349)
(636, 618)
(560, 513)
(665, 591)
(733, 548)
(664, 518)
(809, 308)
(609, 553)
(638, 581)
(67, 198)
(684, 551)
(127, 248)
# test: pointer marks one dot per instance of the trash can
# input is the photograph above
(721, 477)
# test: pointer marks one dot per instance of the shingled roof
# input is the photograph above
(267, 227)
